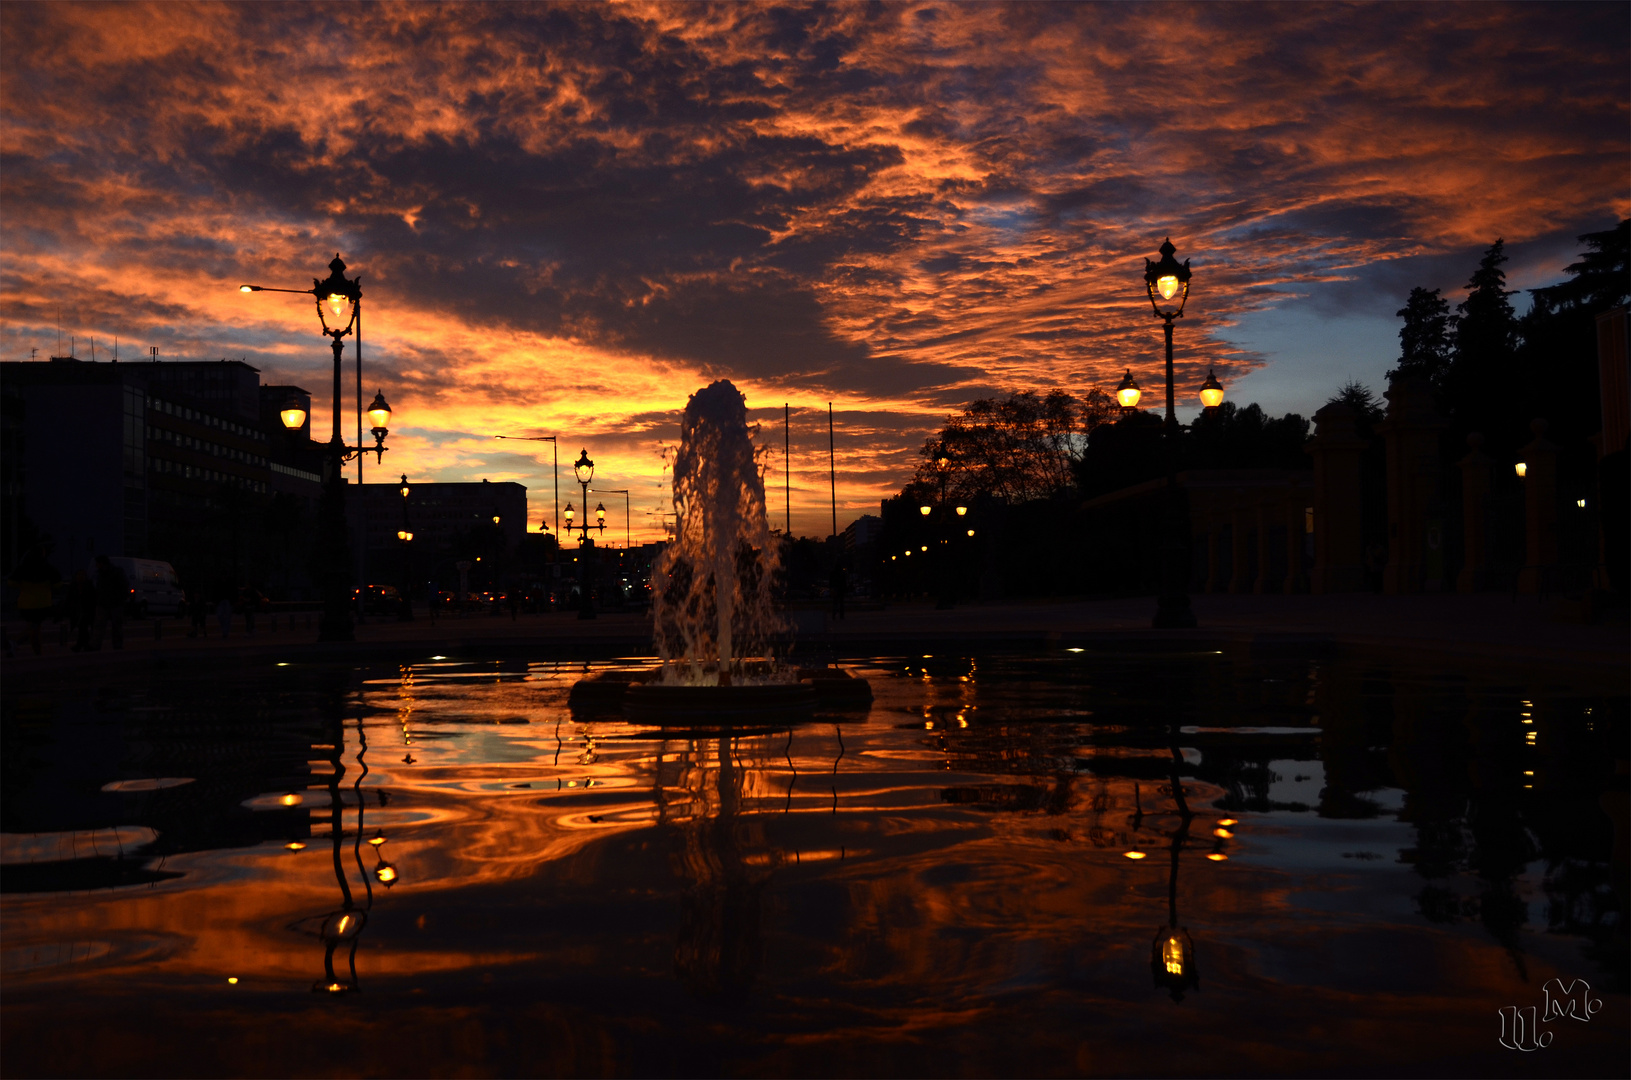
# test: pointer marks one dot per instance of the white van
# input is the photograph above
(154, 589)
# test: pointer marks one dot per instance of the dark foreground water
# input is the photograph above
(1348, 868)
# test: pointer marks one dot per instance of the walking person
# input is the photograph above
(34, 577)
(112, 594)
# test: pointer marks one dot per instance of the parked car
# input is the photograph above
(154, 589)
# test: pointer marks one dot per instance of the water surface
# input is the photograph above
(1369, 859)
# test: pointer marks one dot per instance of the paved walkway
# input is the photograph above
(1494, 628)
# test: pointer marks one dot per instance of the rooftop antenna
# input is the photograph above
(154, 351)
(115, 348)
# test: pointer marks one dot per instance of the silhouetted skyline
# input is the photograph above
(568, 218)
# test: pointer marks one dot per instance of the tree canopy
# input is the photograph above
(1016, 448)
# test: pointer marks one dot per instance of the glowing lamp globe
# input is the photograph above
(600, 514)
(404, 488)
(1167, 282)
(1211, 391)
(924, 510)
(293, 417)
(584, 467)
(1128, 393)
(962, 511)
(379, 412)
(569, 513)
(337, 299)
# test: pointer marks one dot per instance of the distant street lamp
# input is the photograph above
(339, 310)
(405, 535)
(1167, 283)
(948, 526)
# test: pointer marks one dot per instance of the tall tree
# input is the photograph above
(1426, 340)
(1558, 354)
(1599, 281)
(1480, 387)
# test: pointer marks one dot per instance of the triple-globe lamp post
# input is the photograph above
(1167, 283)
(584, 470)
(339, 310)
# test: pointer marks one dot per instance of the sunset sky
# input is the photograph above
(569, 217)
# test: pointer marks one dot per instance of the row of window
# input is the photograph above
(194, 472)
(172, 409)
(175, 438)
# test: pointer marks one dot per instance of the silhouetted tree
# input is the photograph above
(1358, 397)
(1244, 437)
(1017, 448)
(1425, 341)
(1558, 354)
(1480, 388)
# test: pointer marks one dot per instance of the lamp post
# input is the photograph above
(1167, 283)
(339, 310)
(584, 469)
(405, 535)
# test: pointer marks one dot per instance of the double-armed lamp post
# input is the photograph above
(339, 310)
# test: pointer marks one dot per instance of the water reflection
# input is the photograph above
(972, 876)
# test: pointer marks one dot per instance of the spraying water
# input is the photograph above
(712, 588)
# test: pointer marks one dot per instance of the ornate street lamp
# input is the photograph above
(1167, 283)
(584, 469)
(1128, 393)
(339, 311)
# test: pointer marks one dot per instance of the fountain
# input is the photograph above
(714, 620)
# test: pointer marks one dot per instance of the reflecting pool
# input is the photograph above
(1076, 863)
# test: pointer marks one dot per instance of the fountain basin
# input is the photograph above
(657, 703)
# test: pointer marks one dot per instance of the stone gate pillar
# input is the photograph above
(1336, 448)
(1476, 481)
(1412, 432)
(1539, 512)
